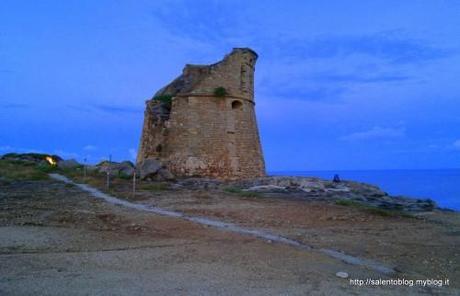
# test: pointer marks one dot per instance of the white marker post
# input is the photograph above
(134, 182)
(108, 171)
(84, 169)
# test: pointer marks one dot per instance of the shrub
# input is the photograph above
(348, 203)
(13, 171)
(10, 155)
(46, 168)
(124, 176)
(165, 99)
(373, 210)
(242, 193)
(153, 186)
(220, 92)
(232, 190)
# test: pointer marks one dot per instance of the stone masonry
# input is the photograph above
(195, 130)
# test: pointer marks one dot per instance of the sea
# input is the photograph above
(442, 186)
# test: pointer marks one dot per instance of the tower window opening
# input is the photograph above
(237, 105)
(159, 148)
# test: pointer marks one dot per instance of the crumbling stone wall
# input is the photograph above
(201, 134)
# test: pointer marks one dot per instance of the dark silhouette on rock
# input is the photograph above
(336, 179)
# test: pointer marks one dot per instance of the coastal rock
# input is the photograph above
(323, 190)
(125, 168)
(266, 188)
(201, 183)
(342, 274)
(105, 167)
(165, 174)
(68, 164)
(149, 168)
(91, 168)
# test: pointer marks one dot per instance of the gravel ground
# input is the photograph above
(58, 240)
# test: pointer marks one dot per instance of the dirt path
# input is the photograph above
(58, 240)
(225, 226)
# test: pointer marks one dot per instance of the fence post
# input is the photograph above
(108, 171)
(134, 182)
(84, 169)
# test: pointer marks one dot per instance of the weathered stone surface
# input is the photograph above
(68, 164)
(124, 168)
(165, 175)
(91, 168)
(161, 111)
(266, 188)
(149, 168)
(205, 135)
(201, 183)
(342, 274)
(320, 189)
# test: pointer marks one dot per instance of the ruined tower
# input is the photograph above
(203, 123)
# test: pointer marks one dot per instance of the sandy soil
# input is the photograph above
(58, 240)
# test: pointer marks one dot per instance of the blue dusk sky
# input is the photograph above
(339, 84)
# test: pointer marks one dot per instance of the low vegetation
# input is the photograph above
(165, 99)
(220, 92)
(28, 156)
(15, 170)
(373, 210)
(242, 193)
(153, 186)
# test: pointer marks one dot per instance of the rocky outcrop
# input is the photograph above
(68, 164)
(148, 168)
(154, 170)
(30, 157)
(320, 189)
(308, 188)
(303, 184)
(164, 175)
(316, 189)
(125, 168)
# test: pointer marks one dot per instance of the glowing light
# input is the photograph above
(50, 160)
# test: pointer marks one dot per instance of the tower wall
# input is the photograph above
(205, 135)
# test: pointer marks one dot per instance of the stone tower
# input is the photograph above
(203, 123)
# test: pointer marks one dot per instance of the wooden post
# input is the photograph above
(108, 171)
(84, 169)
(134, 182)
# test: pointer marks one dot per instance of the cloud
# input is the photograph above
(321, 87)
(80, 108)
(308, 93)
(376, 133)
(358, 78)
(391, 46)
(13, 106)
(66, 154)
(90, 148)
(456, 144)
(6, 148)
(132, 153)
(118, 109)
(229, 27)
(114, 109)
(187, 19)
